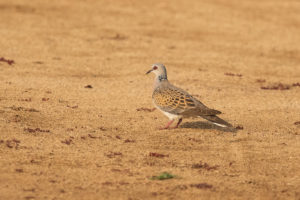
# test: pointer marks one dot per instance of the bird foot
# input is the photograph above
(167, 126)
(169, 123)
(163, 128)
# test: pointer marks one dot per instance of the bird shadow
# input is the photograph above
(207, 125)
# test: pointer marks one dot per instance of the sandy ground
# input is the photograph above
(63, 140)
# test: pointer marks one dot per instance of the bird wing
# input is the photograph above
(177, 101)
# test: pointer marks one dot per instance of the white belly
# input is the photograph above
(169, 115)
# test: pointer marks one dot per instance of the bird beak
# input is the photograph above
(149, 71)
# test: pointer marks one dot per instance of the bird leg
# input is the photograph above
(179, 121)
(168, 125)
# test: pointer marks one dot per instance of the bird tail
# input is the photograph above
(216, 120)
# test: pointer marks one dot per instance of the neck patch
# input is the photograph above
(162, 77)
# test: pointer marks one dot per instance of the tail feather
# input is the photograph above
(216, 120)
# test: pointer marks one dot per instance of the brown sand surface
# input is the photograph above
(61, 140)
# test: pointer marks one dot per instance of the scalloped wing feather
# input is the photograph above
(177, 101)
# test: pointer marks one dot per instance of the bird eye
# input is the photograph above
(155, 68)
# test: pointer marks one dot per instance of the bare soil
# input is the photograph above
(75, 105)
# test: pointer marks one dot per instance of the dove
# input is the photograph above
(176, 103)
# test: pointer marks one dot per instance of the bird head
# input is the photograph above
(159, 70)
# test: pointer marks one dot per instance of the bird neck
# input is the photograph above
(159, 79)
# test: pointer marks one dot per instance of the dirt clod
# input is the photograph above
(232, 74)
(201, 186)
(157, 155)
(146, 109)
(19, 170)
(10, 62)
(34, 130)
(239, 127)
(67, 141)
(260, 80)
(129, 141)
(88, 86)
(205, 166)
(276, 86)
